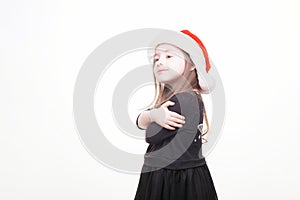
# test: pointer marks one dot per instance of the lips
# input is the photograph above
(161, 70)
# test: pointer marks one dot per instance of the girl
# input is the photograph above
(174, 167)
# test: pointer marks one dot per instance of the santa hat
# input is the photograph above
(201, 45)
(190, 43)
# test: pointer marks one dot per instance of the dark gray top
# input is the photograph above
(180, 148)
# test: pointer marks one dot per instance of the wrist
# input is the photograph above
(150, 115)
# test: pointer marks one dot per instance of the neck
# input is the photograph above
(179, 85)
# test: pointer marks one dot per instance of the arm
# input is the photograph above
(143, 119)
(167, 146)
(162, 116)
(186, 104)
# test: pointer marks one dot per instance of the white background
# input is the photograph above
(254, 44)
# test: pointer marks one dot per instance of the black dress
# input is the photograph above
(174, 167)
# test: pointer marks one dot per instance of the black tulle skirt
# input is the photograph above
(184, 184)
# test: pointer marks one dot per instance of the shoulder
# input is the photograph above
(187, 96)
(186, 100)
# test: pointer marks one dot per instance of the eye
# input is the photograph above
(169, 56)
(156, 59)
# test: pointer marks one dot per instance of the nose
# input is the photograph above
(160, 61)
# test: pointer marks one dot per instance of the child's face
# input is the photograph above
(169, 63)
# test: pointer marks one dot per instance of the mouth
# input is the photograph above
(161, 70)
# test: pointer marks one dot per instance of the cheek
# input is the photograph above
(180, 66)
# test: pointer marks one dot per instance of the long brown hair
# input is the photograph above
(163, 92)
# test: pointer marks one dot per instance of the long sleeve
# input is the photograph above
(137, 118)
(187, 105)
(179, 148)
(136, 122)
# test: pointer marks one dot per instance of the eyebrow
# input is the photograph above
(164, 51)
(168, 51)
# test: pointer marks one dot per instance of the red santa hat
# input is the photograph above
(190, 43)
(199, 42)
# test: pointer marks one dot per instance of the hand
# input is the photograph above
(165, 118)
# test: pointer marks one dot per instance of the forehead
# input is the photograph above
(168, 48)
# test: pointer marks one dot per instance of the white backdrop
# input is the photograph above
(254, 44)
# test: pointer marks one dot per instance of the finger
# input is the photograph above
(168, 103)
(178, 116)
(174, 124)
(176, 120)
(169, 127)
